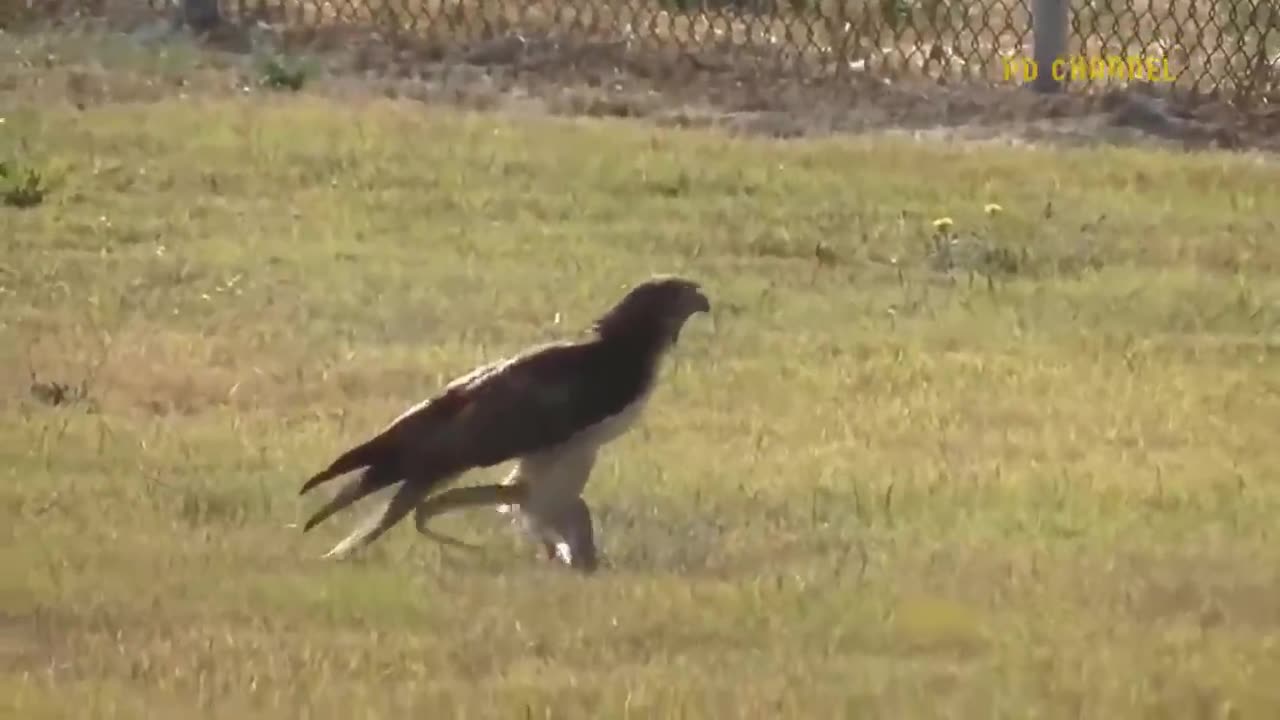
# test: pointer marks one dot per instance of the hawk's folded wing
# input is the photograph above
(493, 414)
(533, 402)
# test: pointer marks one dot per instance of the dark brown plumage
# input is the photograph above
(551, 407)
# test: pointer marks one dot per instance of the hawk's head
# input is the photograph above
(657, 307)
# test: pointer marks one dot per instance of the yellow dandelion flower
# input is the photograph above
(943, 224)
(992, 209)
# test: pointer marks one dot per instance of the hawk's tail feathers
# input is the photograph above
(400, 505)
(370, 481)
(362, 455)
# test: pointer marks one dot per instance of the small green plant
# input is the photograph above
(22, 187)
(281, 73)
(679, 5)
(895, 13)
(948, 250)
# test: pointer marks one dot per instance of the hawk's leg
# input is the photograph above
(564, 531)
(460, 498)
(571, 524)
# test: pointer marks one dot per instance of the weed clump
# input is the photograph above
(280, 73)
(22, 187)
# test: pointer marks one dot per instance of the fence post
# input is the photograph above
(200, 15)
(1049, 23)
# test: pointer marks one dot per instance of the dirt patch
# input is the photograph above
(754, 94)
(738, 93)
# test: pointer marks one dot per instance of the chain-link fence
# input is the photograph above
(1229, 48)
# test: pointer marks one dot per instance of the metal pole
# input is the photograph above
(201, 15)
(1049, 23)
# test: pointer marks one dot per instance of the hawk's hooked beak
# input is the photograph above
(694, 302)
(699, 303)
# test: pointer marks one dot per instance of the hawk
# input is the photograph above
(550, 408)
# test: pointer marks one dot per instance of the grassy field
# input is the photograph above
(1028, 469)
